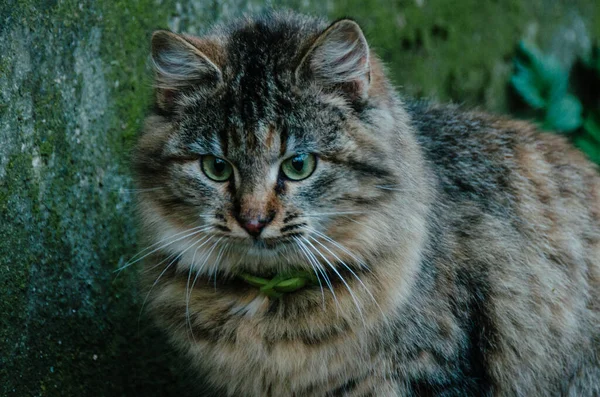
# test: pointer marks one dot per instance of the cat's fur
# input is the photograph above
(476, 239)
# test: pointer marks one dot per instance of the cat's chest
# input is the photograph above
(252, 361)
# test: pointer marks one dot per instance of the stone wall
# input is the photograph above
(73, 90)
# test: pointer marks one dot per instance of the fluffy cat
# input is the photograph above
(453, 253)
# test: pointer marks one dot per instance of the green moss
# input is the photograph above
(63, 319)
(130, 80)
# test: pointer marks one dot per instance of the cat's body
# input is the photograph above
(463, 250)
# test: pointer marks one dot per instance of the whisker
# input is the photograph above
(187, 285)
(217, 260)
(131, 262)
(296, 246)
(354, 298)
(207, 256)
(338, 245)
(188, 319)
(160, 275)
(206, 216)
(351, 271)
(189, 290)
(313, 259)
(165, 239)
(166, 259)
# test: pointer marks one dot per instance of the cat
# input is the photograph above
(409, 249)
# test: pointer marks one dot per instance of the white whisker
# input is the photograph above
(190, 289)
(207, 256)
(187, 285)
(351, 271)
(338, 245)
(296, 246)
(217, 260)
(197, 230)
(162, 241)
(313, 259)
(354, 298)
(208, 216)
(162, 273)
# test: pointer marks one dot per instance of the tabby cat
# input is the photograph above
(312, 234)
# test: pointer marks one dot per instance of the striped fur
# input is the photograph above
(458, 253)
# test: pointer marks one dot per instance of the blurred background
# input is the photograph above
(74, 88)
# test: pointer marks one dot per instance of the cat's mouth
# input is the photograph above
(271, 243)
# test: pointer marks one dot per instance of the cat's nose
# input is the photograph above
(255, 210)
(254, 226)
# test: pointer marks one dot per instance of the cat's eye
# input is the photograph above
(299, 167)
(216, 168)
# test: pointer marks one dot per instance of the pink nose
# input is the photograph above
(254, 226)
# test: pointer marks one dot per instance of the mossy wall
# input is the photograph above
(73, 90)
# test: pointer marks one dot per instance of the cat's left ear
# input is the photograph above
(339, 59)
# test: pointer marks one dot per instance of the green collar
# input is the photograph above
(281, 283)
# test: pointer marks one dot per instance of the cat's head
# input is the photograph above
(276, 142)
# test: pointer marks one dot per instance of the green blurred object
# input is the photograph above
(281, 283)
(564, 101)
(592, 126)
(589, 142)
(564, 114)
(538, 79)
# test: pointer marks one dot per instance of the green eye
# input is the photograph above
(299, 167)
(216, 168)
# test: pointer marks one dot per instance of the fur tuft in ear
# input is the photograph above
(338, 58)
(179, 65)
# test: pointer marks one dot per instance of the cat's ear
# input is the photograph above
(339, 58)
(180, 64)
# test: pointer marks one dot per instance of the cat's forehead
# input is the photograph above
(262, 129)
(268, 122)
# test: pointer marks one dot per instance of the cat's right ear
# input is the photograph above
(338, 59)
(180, 65)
